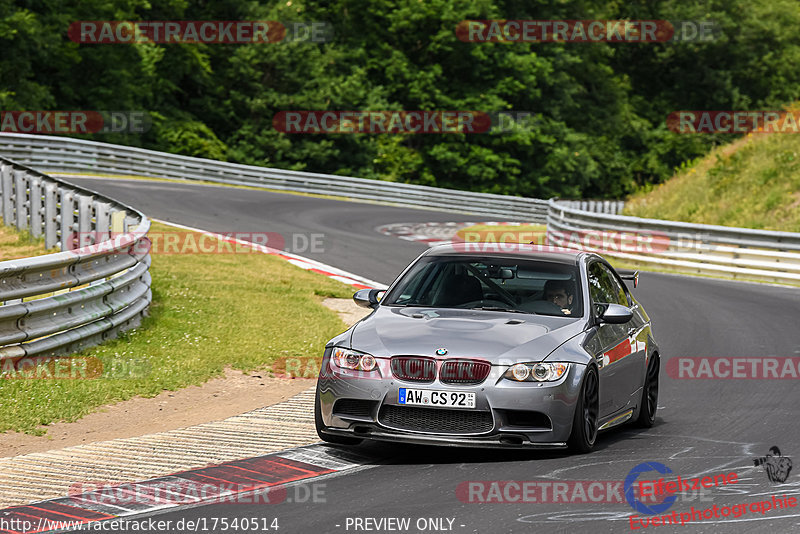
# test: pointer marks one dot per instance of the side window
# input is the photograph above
(619, 289)
(604, 287)
(419, 286)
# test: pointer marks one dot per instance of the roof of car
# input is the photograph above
(508, 250)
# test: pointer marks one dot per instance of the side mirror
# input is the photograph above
(632, 277)
(616, 314)
(367, 298)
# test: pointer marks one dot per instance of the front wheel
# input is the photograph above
(584, 423)
(649, 401)
(324, 436)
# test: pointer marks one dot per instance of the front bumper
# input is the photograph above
(507, 414)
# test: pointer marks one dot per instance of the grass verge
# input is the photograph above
(16, 244)
(209, 312)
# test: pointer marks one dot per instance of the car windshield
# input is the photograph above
(495, 284)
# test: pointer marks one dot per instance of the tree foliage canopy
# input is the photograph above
(600, 108)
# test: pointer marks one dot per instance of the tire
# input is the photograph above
(324, 436)
(584, 423)
(648, 403)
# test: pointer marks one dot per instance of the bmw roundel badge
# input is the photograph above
(441, 352)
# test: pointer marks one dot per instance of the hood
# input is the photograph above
(498, 337)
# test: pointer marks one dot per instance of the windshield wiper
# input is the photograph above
(498, 308)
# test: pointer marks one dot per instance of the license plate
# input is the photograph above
(428, 397)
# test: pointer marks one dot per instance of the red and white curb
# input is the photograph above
(261, 480)
(299, 261)
(434, 233)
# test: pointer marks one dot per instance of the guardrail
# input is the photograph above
(684, 247)
(63, 154)
(612, 207)
(97, 286)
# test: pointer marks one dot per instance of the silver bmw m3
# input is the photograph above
(493, 346)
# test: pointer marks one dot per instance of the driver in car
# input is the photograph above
(560, 293)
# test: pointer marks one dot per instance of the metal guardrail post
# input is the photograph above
(67, 218)
(21, 199)
(35, 206)
(7, 185)
(102, 216)
(50, 215)
(85, 210)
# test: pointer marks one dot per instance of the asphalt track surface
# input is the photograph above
(703, 427)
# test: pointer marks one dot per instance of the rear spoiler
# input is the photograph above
(634, 277)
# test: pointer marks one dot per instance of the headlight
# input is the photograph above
(536, 372)
(352, 359)
(520, 372)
